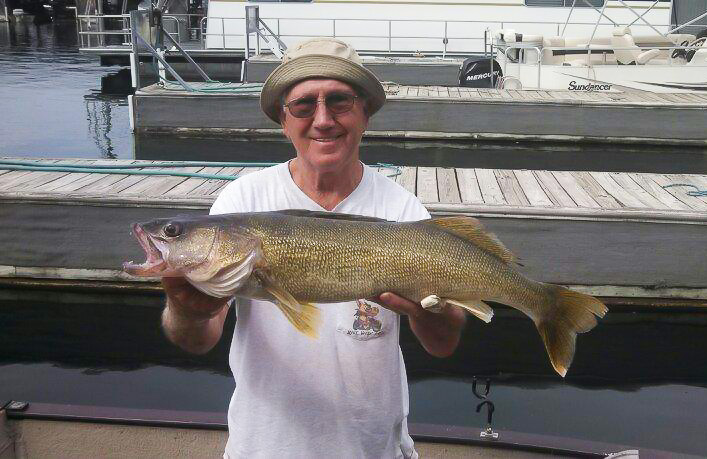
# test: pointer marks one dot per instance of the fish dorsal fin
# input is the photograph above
(328, 215)
(472, 230)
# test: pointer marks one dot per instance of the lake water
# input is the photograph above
(638, 379)
(54, 104)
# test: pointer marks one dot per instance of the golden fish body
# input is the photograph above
(295, 258)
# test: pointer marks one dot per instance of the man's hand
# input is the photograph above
(439, 333)
(187, 301)
(192, 319)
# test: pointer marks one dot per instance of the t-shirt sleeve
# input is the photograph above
(228, 200)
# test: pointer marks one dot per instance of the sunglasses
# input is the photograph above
(336, 102)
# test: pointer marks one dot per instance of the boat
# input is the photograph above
(614, 55)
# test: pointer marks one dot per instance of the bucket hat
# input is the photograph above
(320, 58)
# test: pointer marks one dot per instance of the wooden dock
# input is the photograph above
(612, 234)
(443, 112)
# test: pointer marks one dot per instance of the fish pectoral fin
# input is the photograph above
(474, 307)
(306, 317)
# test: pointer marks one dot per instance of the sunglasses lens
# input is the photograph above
(302, 108)
(339, 103)
(336, 103)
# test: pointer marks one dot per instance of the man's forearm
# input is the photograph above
(197, 336)
(439, 333)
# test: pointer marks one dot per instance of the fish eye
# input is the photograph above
(172, 229)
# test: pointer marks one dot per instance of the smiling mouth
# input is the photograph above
(326, 139)
(155, 265)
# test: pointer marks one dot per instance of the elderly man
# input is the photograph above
(345, 394)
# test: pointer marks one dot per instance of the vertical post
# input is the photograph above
(333, 25)
(135, 54)
(390, 36)
(99, 11)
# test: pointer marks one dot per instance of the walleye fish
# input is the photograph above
(295, 258)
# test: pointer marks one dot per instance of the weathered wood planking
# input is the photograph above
(590, 193)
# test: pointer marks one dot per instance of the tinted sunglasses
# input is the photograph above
(336, 103)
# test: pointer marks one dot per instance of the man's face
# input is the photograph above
(325, 141)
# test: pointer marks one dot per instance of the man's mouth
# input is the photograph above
(329, 139)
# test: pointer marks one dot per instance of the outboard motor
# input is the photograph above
(478, 72)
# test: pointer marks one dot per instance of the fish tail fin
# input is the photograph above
(571, 313)
(306, 318)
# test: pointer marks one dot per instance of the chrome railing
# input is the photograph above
(94, 29)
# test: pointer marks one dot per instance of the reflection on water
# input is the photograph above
(50, 97)
(638, 379)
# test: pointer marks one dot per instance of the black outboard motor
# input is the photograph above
(477, 72)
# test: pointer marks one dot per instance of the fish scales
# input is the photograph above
(331, 261)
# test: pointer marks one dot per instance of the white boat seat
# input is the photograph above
(627, 52)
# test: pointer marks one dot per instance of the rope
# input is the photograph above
(696, 192)
(127, 168)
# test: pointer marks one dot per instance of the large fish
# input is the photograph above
(296, 258)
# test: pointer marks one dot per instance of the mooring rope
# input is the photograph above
(127, 169)
(696, 192)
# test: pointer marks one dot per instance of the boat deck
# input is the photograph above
(608, 234)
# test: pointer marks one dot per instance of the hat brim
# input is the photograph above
(319, 66)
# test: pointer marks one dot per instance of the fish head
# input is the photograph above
(174, 246)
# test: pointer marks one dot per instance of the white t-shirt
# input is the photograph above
(342, 395)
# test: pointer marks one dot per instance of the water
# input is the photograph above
(56, 103)
(638, 379)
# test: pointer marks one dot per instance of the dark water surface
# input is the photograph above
(55, 102)
(638, 379)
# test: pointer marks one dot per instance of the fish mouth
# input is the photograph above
(155, 265)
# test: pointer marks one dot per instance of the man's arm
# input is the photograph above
(439, 333)
(191, 319)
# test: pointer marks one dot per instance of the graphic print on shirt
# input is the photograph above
(364, 323)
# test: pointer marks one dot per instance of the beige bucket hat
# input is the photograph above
(320, 58)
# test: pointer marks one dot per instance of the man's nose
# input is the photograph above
(322, 116)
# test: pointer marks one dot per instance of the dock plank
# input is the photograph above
(678, 192)
(554, 190)
(532, 189)
(408, 179)
(578, 194)
(158, 184)
(510, 187)
(245, 171)
(628, 184)
(490, 189)
(469, 190)
(448, 186)
(596, 191)
(658, 191)
(623, 196)
(208, 186)
(427, 184)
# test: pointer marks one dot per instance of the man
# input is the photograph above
(344, 394)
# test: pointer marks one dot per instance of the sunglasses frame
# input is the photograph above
(353, 98)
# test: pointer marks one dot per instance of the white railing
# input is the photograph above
(391, 36)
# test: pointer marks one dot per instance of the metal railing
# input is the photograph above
(451, 39)
(95, 29)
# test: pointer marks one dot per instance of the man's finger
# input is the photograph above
(399, 304)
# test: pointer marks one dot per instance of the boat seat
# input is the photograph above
(627, 52)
